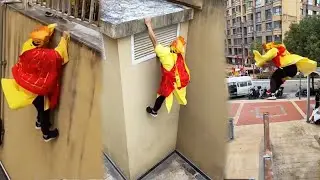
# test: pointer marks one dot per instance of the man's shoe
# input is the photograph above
(38, 125)
(51, 135)
(151, 112)
(272, 97)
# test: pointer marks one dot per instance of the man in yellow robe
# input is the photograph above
(175, 73)
(36, 77)
(287, 65)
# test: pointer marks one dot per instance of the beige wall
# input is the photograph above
(202, 130)
(143, 141)
(113, 123)
(76, 154)
(290, 14)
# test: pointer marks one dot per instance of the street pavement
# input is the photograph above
(296, 153)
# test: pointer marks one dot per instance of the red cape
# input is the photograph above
(38, 71)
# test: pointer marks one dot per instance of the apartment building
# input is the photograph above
(310, 7)
(257, 20)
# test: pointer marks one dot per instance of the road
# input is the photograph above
(290, 87)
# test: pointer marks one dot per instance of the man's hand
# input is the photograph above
(147, 21)
(66, 35)
(152, 36)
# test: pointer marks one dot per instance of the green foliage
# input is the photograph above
(256, 45)
(304, 38)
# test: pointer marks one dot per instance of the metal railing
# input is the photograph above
(80, 11)
(267, 157)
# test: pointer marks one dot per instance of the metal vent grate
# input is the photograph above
(142, 46)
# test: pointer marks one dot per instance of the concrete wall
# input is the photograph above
(290, 14)
(202, 130)
(132, 138)
(76, 154)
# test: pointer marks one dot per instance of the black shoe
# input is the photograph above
(151, 112)
(51, 135)
(38, 125)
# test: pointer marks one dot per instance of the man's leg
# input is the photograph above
(157, 105)
(38, 105)
(275, 82)
(44, 118)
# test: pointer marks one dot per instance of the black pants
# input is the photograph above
(279, 74)
(43, 116)
(158, 103)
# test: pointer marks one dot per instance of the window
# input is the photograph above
(269, 39)
(143, 50)
(238, 8)
(258, 28)
(277, 24)
(277, 10)
(258, 17)
(258, 2)
(244, 9)
(259, 39)
(242, 84)
(250, 17)
(245, 41)
(244, 19)
(233, 31)
(278, 38)
(268, 14)
(233, 21)
(238, 19)
(250, 3)
(249, 83)
(250, 29)
(228, 32)
(239, 30)
(229, 51)
(301, 11)
(245, 31)
(268, 1)
(269, 26)
(229, 42)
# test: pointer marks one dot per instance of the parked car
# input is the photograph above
(239, 86)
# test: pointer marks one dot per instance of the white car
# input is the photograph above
(239, 86)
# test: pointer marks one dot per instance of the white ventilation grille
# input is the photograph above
(142, 46)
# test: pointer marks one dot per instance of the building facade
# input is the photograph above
(258, 20)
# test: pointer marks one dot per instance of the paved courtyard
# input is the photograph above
(296, 152)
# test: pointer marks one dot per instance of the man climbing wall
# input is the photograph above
(175, 73)
(37, 77)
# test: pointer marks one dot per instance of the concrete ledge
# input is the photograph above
(79, 33)
(121, 18)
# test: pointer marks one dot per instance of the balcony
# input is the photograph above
(236, 3)
(277, 31)
(276, 17)
(277, 3)
(249, 10)
(238, 13)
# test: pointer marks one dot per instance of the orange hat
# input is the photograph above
(42, 33)
(178, 45)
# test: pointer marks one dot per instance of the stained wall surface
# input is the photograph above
(202, 130)
(139, 140)
(76, 154)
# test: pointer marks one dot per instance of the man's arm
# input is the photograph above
(150, 31)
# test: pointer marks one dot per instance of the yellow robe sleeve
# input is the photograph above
(165, 56)
(262, 59)
(62, 49)
(28, 45)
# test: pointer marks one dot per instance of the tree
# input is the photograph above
(256, 45)
(304, 38)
